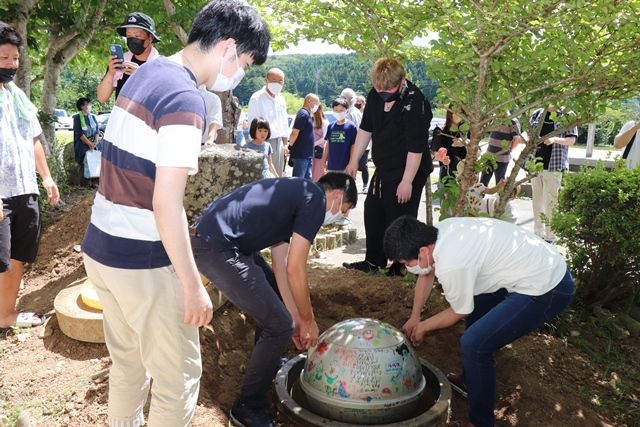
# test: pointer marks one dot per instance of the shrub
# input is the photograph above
(596, 219)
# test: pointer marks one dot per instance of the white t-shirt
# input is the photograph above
(213, 110)
(475, 256)
(274, 110)
(634, 155)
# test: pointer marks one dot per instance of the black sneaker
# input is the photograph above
(247, 416)
(363, 266)
(396, 269)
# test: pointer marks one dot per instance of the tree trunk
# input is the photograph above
(177, 28)
(227, 134)
(429, 200)
(23, 77)
(62, 48)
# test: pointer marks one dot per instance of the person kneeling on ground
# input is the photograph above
(504, 281)
(283, 214)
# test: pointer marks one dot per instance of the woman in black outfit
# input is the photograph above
(452, 141)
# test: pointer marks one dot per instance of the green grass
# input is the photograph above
(64, 137)
(601, 341)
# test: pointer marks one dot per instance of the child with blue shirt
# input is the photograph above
(259, 132)
(341, 136)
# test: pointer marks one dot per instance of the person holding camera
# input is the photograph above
(140, 31)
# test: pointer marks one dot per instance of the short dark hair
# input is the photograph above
(341, 181)
(231, 19)
(405, 236)
(340, 101)
(259, 123)
(9, 35)
(81, 102)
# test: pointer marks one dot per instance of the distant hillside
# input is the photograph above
(325, 75)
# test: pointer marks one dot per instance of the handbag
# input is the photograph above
(92, 159)
(318, 152)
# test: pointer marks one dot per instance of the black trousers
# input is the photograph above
(381, 208)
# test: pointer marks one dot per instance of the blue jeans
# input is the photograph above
(249, 283)
(302, 168)
(497, 320)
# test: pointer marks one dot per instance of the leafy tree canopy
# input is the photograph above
(492, 59)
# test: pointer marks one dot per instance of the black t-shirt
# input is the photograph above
(404, 129)
(544, 150)
(302, 148)
(125, 77)
(444, 138)
(264, 213)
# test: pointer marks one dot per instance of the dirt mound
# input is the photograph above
(540, 378)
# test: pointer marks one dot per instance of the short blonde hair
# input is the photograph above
(387, 73)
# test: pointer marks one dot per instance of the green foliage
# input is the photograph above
(610, 122)
(447, 192)
(294, 102)
(595, 219)
(326, 76)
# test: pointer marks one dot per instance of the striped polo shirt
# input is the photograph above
(158, 120)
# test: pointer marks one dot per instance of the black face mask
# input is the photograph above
(7, 74)
(390, 96)
(358, 106)
(136, 46)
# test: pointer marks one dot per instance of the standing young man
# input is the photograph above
(21, 155)
(140, 32)
(396, 121)
(136, 250)
(283, 214)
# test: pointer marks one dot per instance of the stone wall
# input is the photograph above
(222, 168)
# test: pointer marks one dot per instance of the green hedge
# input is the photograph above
(597, 219)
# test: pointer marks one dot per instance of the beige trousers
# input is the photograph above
(146, 338)
(545, 188)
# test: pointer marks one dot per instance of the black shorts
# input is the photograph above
(19, 230)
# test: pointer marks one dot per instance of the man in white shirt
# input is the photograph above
(502, 279)
(213, 109)
(629, 142)
(269, 103)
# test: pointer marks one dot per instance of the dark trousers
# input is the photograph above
(499, 319)
(363, 167)
(249, 283)
(381, 208)
(500, 172)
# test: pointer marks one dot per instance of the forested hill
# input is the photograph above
(326, 75)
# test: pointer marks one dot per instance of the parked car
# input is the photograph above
(63, 120)
(102, 120)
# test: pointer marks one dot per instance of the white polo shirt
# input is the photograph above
(274, 110)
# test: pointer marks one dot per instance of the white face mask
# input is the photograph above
(274, 88)
(224, 83)
(417, 270)
(340, 115)
(330, 218)
(315, 108)
(89, 109)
